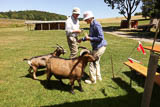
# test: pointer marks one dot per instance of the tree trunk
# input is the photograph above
(129, 21)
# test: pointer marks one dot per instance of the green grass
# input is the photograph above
(18, 89)
(143, 22)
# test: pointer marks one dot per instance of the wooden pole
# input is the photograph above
(157, 31)
(152, 68)
(112, 66)
(58, 26)
(49, 26)
(41, 26)
(149, 82)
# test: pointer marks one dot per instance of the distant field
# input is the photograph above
(5, 23)
(117, 20)
(12, 23)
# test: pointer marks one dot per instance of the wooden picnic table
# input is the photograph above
(142, 69)
(156, 48)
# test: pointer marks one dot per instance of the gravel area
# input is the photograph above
(123, 34)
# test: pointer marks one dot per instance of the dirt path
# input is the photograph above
(123, 34)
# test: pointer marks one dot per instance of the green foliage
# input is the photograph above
(151, 8)
(32, 15)
(125, 7)
(138, 13)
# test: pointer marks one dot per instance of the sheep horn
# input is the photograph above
(59, 46)
(82, 47)
(84, 51)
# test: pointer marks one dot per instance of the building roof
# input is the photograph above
(39, 22)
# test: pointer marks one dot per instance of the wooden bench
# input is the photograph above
(142, 70)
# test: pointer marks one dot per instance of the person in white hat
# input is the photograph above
(98, 43)
(72, 29)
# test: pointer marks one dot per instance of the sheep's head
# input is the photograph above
(59, 50)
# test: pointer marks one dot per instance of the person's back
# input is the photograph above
(96, 33)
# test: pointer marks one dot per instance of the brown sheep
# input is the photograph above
(71, 69)
(36, 62)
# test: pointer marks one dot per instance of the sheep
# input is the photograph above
(36, 62)
(71, 69)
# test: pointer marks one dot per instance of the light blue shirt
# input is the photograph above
(96, 35)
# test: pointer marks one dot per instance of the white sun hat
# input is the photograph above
(87, 15)
(76, 10)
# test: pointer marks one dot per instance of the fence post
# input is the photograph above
(149, 82)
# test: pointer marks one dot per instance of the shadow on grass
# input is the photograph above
(38, 73)
(57, 85)
(120, 101)
(139, 79)
(131, 99)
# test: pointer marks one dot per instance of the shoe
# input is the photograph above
(89, 82)
(100, 79)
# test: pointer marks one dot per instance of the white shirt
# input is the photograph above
(71, 25)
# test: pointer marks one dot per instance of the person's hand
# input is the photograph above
(77, 31)
(87, 37)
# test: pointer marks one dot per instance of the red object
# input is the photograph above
(130, 60)
(140, 48)
(133, 60)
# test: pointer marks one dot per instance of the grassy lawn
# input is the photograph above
(18, 89)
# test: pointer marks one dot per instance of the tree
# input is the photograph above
(125, 7)
(1, 16)
(138, 13)
(151, 8)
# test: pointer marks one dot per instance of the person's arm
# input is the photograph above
(76, 31)
(99, 31)
(68, 27)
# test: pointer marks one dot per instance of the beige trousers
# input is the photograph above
(73, 46)
(94, 67)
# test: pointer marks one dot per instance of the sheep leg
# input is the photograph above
(29, 70)
(49, 75)
(61, 82)
(72, 86)
(80, 86)
(34, 72)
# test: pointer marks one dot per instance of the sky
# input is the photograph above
(64, 7)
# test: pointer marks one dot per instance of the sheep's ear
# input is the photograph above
(82, 47)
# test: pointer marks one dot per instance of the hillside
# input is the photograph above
(105, 22)
(115, 21)
(32, 15)
(118, 19)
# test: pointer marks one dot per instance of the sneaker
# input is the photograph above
(89, 82)
(100, 79)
